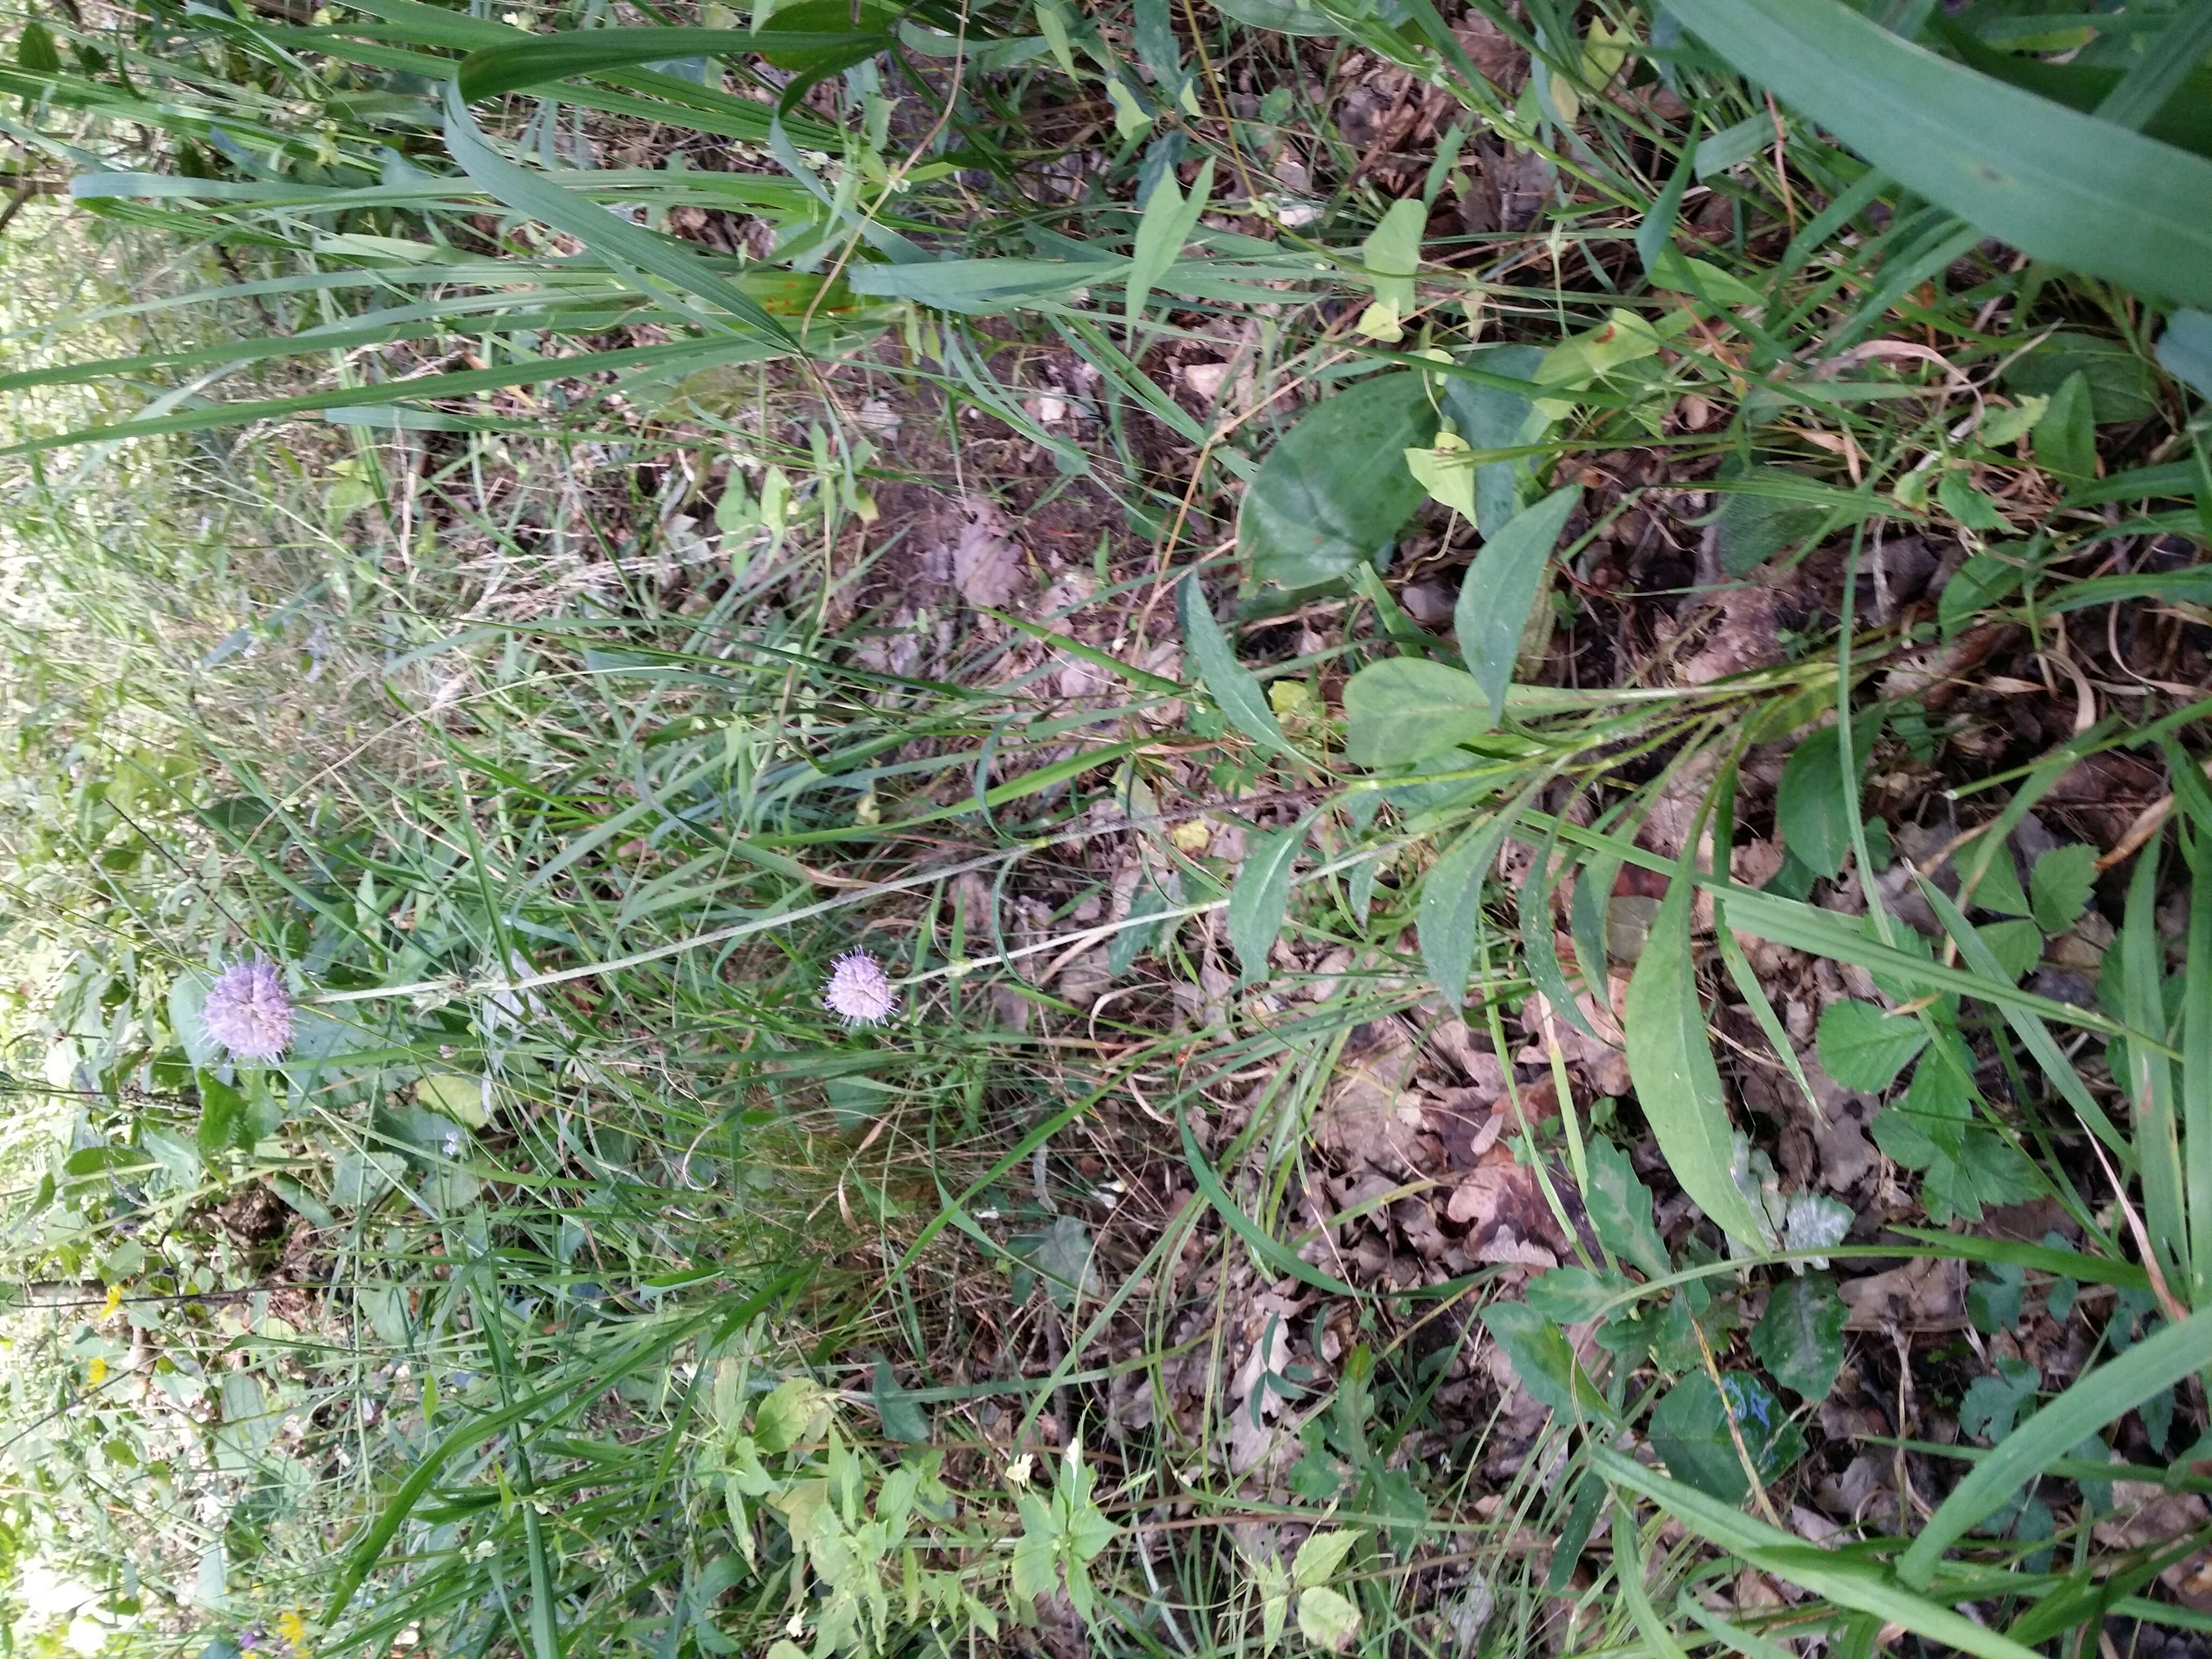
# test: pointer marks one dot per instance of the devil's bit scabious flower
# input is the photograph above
(248, 1011)
(857, 992)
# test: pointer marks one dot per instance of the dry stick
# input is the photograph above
(2168, 1304)
(1220, 100)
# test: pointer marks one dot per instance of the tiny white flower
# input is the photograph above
(858, 992)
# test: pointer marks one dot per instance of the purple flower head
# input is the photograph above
(857, 992)
(248, 1011)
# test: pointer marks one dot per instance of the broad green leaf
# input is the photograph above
(1450, 915)
(2155, 1364)
(1690, 1432)
(1543, 1359)
(1335, 490)
(1262, 891)
(1987, 866)
(797, 1409)
(2059, 185)
(1446, 472)
(1812, 808)
(1671, 1060)
(2066, 436)
(901, 1417)
(226, 1119)
(1274, 1584)
(1981, 583)
(490, 70)
(1675, 272)
(1863, 1047)
(1404, 709)
(1762, 514)
(2059, 885)
(1800, 1337)
(1322, 1554)
(35, 51)
(1501, 585)
(1168, 219)
(1392, 253)
(1620, 1207)
(1234, 687)
(187, 996)
(452, 1094)
(1573, 1296)
(1283, 16)
(1326, 1620)
(2120, 385)
(1992, 1404)
(1966, 505)
(2034, 1035)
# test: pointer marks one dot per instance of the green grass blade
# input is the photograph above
(1856, 1584)
(2157, 1362)
(630, 248)
(2060, 185)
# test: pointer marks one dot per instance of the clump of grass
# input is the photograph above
(576, 1280)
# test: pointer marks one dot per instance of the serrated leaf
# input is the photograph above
(1326, 1620)
(1800, 1337)
(1322, 1554)
(1670, 1059)
(1863, 1047)
(1988, 867)
(797, 1409)
(1335, 491)
(1538, 1351)
(1619, 1207)
(2017, 946)
(1274, 1584)
(1500, 586)
(2059, 886)
(1234, 687)
(1261, 895)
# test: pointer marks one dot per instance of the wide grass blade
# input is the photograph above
(2157, 1362)
(2060, 185)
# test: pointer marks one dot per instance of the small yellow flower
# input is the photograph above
(293, 1629)
(96, 1371)
(115, 1301)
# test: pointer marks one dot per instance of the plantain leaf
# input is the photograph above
(1335, 489)
(1261, 895)
(1451, 900)
(1234, 687)
(1501, 585)
(1670, 1059)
